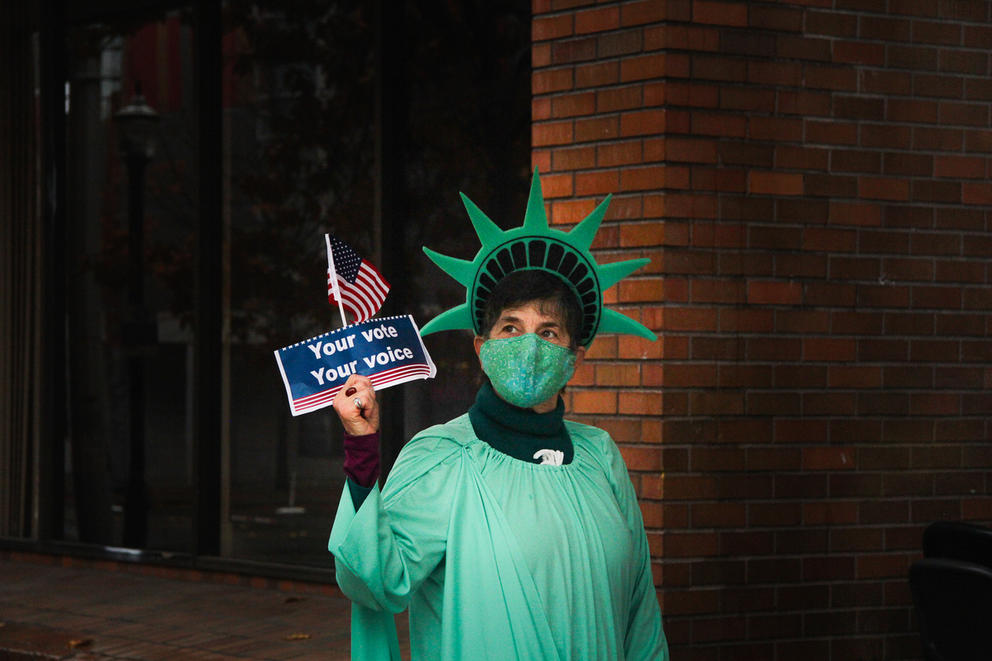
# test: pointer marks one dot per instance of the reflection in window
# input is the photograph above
(128, 460)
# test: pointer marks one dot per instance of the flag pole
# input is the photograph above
(334, 279)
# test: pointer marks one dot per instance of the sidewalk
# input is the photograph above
(60, 608)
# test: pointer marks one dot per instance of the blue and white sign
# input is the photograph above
(389, 350)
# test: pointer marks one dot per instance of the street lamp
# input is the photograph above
(137, 128)
(137, 125)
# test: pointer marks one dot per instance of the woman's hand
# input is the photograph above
(356, 406)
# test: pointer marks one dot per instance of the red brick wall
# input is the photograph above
(812, 183)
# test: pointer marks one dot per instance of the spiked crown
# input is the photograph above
(536, 246)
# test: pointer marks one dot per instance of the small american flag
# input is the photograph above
(352, 282)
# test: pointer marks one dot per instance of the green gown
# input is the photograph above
(498, 558)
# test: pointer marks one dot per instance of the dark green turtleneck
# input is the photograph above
(518, 432)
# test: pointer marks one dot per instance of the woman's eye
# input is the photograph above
(549, 333)
(509, 328)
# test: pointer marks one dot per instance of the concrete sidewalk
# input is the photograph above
(60, 608)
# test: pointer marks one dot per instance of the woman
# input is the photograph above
(508, 532)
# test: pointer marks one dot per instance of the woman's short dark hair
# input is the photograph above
(553, 296)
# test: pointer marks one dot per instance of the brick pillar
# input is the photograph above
(812, 184)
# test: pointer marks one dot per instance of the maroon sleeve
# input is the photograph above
(361, 459)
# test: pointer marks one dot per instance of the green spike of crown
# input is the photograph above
(536, 246)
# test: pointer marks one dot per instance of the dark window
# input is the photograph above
(334, 117)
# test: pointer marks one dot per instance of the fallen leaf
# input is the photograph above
(76, 643)
(298, 636)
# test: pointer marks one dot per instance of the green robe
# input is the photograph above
(498, 558)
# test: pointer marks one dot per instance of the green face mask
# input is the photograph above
(526, 370)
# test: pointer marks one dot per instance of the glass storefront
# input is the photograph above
(336, 117)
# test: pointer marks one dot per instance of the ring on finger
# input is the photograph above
(358, 403)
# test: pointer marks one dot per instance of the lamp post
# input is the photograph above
(136, 125)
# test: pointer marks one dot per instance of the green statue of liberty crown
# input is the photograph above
(536, 246)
